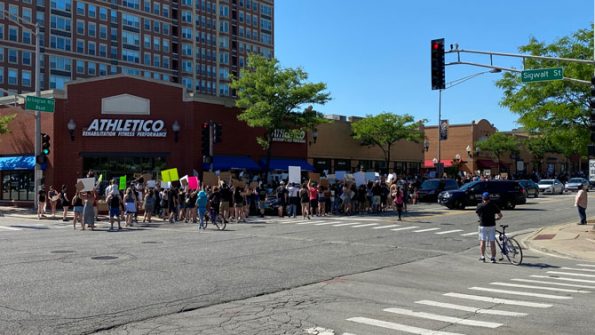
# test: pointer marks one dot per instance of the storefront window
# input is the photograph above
(17, 185)
(115, 167)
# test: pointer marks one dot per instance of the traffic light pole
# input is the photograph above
(439, 165)
(37, 173)
(211, 145)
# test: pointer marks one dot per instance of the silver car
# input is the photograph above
(573, 183)
(550, 186)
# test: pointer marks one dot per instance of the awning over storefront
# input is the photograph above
(17, 163)
(221, 162)
(486, 164)
(428, 163)
(284, 163)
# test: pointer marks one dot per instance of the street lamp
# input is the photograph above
(314, 136)
(426, 145)
(175, 127)
(71, 127)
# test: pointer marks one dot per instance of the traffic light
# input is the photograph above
(206, 139)
(45, 144)
(217, 133)
(438, 73)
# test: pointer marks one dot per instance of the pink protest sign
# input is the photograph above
(193, 183)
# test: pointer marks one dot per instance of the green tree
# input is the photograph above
(554, 109)
(4, 121)
(499, 143)
(385, 129)
(538, 146)
(273, 99)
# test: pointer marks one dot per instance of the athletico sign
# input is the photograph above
(126, 128)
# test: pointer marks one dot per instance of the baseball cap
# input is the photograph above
(485, 195)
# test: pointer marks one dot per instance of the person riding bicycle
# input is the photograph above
(488, 213)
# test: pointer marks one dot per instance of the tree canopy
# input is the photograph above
(499, 143)
(4, 121)
(556, 110)
(384, 129)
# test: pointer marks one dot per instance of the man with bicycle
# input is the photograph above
(488, 213)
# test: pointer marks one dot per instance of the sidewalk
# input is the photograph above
(565, 240)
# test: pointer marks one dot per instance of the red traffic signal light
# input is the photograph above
(437, 58)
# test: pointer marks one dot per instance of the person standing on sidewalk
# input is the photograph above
(488, 213)
(580, 201)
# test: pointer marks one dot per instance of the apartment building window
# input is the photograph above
(156, 43)
(92, 11)
(223, 73)
(103, 32)
(131, 3)
(80, 46)
(27, 14)
(13, 56)
(26, 37)
(187, 33)
(1, 54)
(91, 48)
(156, 26)
(156, 60)
(223, 10)
(165, 62)
(147, 58)
(40, 18)
(266, 38)
(80, 67)
(103, 13)
(147, 42)
(80, 8)
(130, 55)
(60, 63)
(147, 6)
(224, 57)
(187, 66)
(91, 68)
(26, 57)
(102, 69)
(130, 38)
(1, 75)
(114, 16)
(114, 52)
(165, 45)
(166, 28)
(13, 33)
(224, 89)
(156, 8)
(58, 82)
(113, 69)
(102, 50)
(186, 16)
(12, 77)
(187, 83)
(63, 5)
(266, 24)
(80, 27)
(165, 12)
(186, 49)
(26, 78)
(114, 34)
(147, 24)
(224, 26)
(61, 23)
(92, 29)
(224, 42)
(130, 20)
(241, 16)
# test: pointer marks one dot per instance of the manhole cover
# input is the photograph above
(62, 252)
(104, 258)
(151, 242)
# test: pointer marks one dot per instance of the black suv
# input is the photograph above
(429, 189)
(505, 193)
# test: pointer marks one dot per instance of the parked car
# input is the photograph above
(573, 183)
(531, 188)
(551, 186)
(505, 193)
(430, 188)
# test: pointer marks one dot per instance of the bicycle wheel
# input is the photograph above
(220, 223)
(515, 253)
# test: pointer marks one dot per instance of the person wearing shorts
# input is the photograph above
(114, 203)
(488, 213)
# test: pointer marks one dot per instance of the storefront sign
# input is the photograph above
(283, 135)
(126, 128)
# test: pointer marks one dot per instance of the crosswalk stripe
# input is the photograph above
(469, 234)
(575, 269)
(405, 228)
(448, 231)
(498, 300)
(469, 309)
(9, 228)
(346, 224)
(352, 218)
(545, 288)
(587, 265)
(571, 274)
(399, 327)
(365, 225)
(565, 279)
(425, 230)
(310, 222)
(551, 283)
(386, 227)
(443, 318)
(326, 223)
(528, 294)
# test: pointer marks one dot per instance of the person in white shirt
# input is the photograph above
(580, 201)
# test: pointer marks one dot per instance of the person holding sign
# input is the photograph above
(53, 196)
(313, 195)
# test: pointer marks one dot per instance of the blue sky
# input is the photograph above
(374, 55)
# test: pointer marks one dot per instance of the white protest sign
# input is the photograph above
(340, 175)
(360, 178)
(295, 174)
(150, 183)
(88, 184)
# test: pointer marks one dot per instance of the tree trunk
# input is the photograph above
(267, 164)
(387, 156)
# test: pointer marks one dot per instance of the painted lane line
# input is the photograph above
(386, 227)
(443, 318)
(469, 234)
(527, 294)
(365, 225)
(575, 269)
(399, 327)
(498, 300)
(405, 228)
(587, 265)
(475, 310)
(571, 274)
(10, 228)
(326, 223)
(566, 279)
(545, 288)
(551, 283)
(449, 231)
(310, 222)
(346, 224)
(425, 230)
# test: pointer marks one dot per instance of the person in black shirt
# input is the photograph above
(488, 213)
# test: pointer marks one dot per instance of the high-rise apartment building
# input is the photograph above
(197, 43)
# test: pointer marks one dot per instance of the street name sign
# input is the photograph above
(530, 76)
(39, 104)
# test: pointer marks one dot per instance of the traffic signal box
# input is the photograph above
(217, 133)
(206, 139)
(591, 146)
(42, 158)
(438, 73)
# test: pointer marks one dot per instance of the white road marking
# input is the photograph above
(405, 228)
(527, 294)
(326, 223)
(545, 288)
(365, 225)
(565, 279)
(449, 231)
(425, 230)
(346, 224)
(443, 318)
(356, 218)
(571, 274)
(475, 310)
(575, 269)
(310, 222)
(9, 228)
(469, 234)
(588, 265)
(498, 300)
(386, 227)
(551, 283)
(399, 327)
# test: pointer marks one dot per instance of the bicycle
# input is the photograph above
(509, 247)
(217, 220)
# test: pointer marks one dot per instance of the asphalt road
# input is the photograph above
(278, 276)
